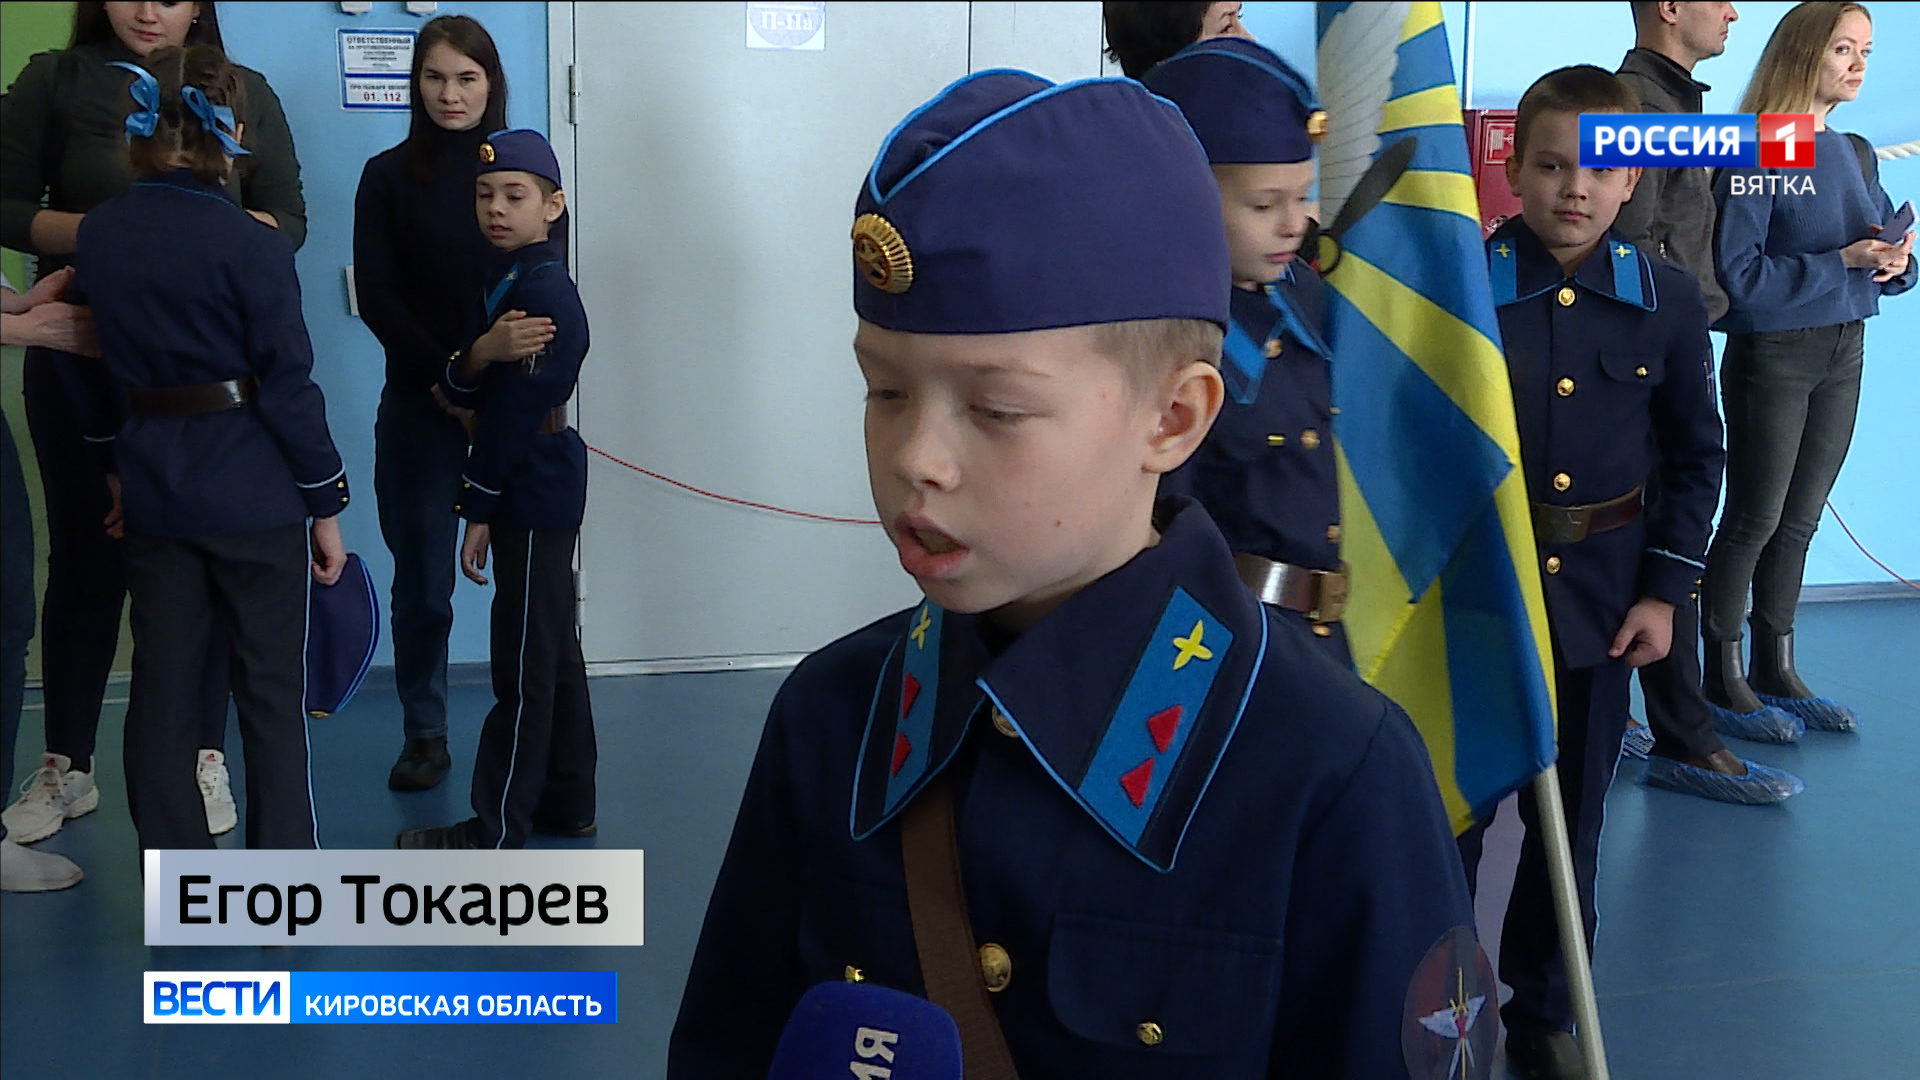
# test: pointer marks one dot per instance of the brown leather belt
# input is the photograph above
(191, 400)
(556, 421)
(1320, 595)
(1572, 524)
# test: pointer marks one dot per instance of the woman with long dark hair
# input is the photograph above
(64, 147)
(418, 257)
(1803, 269)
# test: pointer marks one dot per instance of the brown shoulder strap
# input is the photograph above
(949, 961)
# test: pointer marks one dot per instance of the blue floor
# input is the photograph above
(1735, 942)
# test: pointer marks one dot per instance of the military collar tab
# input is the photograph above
(1129, 707)
(1521, 269)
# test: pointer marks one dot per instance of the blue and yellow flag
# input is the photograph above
(1446, 614)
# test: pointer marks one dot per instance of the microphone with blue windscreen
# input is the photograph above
(866, 1032)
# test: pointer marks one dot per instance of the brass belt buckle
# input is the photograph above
(1329, 595)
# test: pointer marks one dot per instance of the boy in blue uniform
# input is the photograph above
(1266, 472)
(1089, 795)
(1608, 355)
(524, 494)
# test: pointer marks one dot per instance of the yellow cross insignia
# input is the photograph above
(1503, 250)
(919, 632)
(1622, 250)
(1190, 647)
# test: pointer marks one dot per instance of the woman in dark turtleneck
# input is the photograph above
(419, 257)
(63, 141)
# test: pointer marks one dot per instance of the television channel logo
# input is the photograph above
(1696, 140)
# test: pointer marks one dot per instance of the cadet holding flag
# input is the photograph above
(1089, 796)
(1266, 471)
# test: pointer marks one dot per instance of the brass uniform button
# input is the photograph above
(996, 967)
(341, 484)
(1565, 296)
(1333, 410)
(457, 508)
(1003, 725)
(1310, 439)
(1640, 371)
(854, 974)
(1150, 1033)
(1273, 349)
(1276, 440)
(1553, 564)
(1564, 388)
(1322, 630)
(1561, 481)
(1333, 534)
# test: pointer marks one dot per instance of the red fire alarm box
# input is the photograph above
(1489, 142)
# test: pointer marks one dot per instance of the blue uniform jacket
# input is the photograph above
(515, 476)
(1171, 806)
(1610, 370)
(1266, 471)
(187, 288)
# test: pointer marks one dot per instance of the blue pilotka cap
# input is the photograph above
(1009, 203)
(343, 629)
(519, 150)
(1248, 106)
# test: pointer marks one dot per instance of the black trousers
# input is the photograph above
(1791, 398)
(249, 589)
(86, 577)
(1593, 716)
(1677, 710)
(537, 752)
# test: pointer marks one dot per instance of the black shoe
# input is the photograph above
(1544, 1055)
(577, 831)
(439, 837)
(422, 765)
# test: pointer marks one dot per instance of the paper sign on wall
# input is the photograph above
(375, 68)
(786, 24)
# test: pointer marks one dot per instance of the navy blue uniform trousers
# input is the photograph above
(537, 751)
(1593, 705)
(246, 593)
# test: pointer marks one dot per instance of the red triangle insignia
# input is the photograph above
(1135, 780)
(909, 692)
(901, 748)
(1162, 725)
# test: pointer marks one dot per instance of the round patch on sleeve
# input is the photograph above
(1448, 1028)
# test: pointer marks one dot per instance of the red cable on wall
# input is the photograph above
(870, 521)
(1863, 548)
(729, 499)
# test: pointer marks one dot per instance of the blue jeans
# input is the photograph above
(418, 454)
(16, 596)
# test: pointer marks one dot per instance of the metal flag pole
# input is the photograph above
(1566, 909)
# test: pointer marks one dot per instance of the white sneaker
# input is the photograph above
(26, 870)
(54, 793)
(216, 790)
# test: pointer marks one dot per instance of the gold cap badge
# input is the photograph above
(882, 255)
(1317, 124)
(486, 153)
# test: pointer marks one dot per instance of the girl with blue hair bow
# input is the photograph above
(65, 148)
(227, 485)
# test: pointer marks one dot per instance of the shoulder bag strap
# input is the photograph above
(949, 961)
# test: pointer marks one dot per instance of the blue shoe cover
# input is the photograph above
(1765, 724)
(1820, 714)
(1638, 742)
(1760, 787)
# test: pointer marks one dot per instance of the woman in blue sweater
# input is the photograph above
(418, 262)
(1804, 265)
